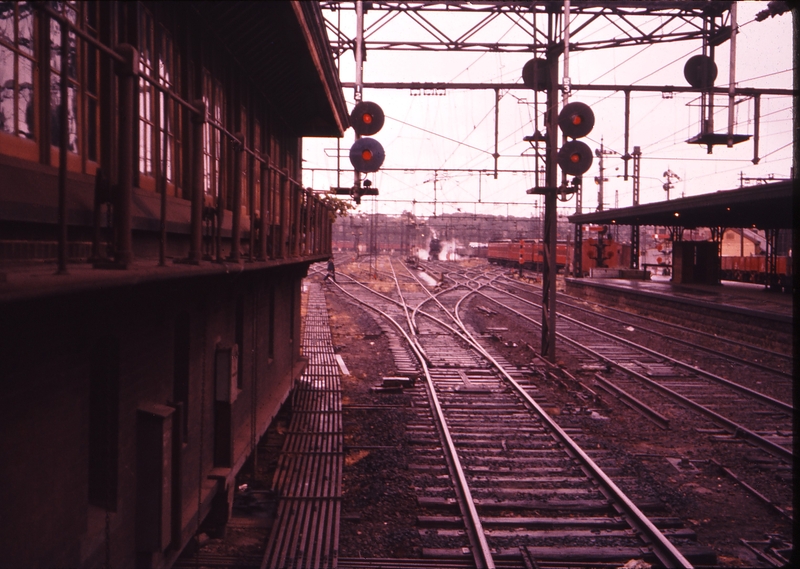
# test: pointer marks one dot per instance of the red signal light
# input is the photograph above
(574, 157)
(367, 118)
(367, 155)
(576, 119)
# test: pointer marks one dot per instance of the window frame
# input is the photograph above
(160, 118)
(12, 143)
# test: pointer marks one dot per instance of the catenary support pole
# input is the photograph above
(550, 205)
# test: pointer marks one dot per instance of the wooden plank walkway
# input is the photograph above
(309, 475)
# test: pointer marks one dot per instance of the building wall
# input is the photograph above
(736, 244)
(50, 353)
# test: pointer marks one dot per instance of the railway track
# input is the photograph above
(595, 333)
(497, 478)
(694, 346)
(665, 389)
(734, 407)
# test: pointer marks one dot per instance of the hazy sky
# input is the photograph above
(456, 129)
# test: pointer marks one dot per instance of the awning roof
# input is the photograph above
(766, 206)
(284, 48)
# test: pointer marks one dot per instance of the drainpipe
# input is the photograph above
(265, 193)
(220, 195)
(198, 177)
(251, 199)
(236, 221)
(128, 71)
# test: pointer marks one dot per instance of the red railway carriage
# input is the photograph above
(528, 252)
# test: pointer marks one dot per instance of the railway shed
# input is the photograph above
(767, 207)
(152, 251)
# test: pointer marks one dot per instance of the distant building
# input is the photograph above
(150, 288)
(742, 243)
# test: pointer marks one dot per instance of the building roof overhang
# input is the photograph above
(766, 206)
(284, 48)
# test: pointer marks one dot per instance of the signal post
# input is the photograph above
(550, 269)
(575, 120)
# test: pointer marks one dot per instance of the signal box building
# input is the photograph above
(153, 238)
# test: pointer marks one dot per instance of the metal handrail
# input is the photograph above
(157, 84)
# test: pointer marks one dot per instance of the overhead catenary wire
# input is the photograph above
(442, 146)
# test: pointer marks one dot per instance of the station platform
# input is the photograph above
(749, 307)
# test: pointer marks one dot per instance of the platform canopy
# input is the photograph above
(766, 206)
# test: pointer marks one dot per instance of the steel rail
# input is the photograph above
(677, 327)
(650, 318)
(481, 551)
(430, 316)
(732, 427)
(405, 306)
(667, 553)
(433, 298)
(785, 407)
(628, 399)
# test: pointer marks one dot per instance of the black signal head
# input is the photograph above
(367, 155)
(535, 74)
(367, 118)
(576, 119)
(700, 71)
(575, 157)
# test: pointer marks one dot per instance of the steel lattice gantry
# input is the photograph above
(549, 31)
(546, 30)
(629, 24)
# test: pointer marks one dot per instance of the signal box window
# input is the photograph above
(159, 115)
(212, 147)
(17, 80)
(83, 79)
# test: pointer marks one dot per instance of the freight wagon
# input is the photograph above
(753, 269)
